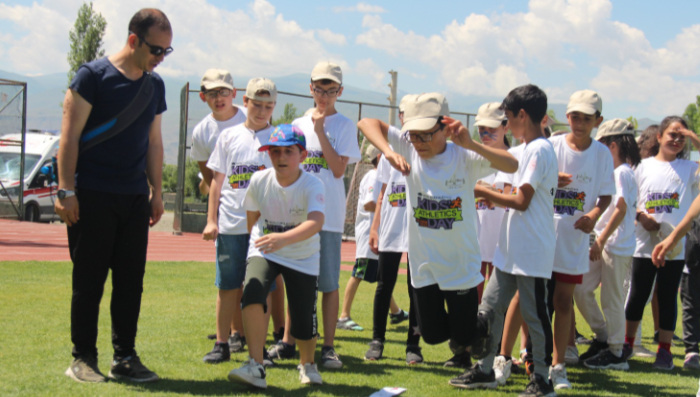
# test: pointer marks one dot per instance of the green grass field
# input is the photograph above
(178, 312)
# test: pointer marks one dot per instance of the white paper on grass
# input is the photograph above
(388, 392)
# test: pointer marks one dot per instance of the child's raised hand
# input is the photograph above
(399, 162)
(270, 243)
(457, 132)
(564, 179)
(318, 118)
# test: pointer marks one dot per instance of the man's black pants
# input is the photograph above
(112, 233)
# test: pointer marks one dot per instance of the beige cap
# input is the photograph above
(614, 127)
(585, 101)
(217, 78)
(422, 111)
(402, 104)
(258, 84)
(371, 152)
(490, 115)
(327, 70)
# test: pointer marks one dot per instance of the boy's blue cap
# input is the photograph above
(285, 135)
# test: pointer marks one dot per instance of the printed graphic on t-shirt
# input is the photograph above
(397, 197)
(437, 212)
(315, 161)
(481, 205)
(277, 227)
(567, 202)
(241, 174)
(661, 202)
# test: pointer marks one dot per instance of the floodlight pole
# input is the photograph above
(392, 97)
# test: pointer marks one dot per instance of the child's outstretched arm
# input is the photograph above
(520, 201)
(658, 256)
(275, 241)
(377, 131)
(500, 159)
(618, 215)
(587, 222)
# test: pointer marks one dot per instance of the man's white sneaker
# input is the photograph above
(571, 357)
(557, 374)
(501, 367)
(308, 374)
(250, 373)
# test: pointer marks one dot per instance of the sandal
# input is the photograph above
(349, 325)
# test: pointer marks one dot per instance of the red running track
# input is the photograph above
(27, 241)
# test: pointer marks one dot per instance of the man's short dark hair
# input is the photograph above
(147, 18)
(529, 98)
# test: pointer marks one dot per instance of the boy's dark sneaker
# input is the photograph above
(664, 360)
(236, 343)
(277, 336)
(376, 349)
(268, 362)
(84, 369)
(594, 349)
(538, 387)
(219, 354)
(330, 359)
(462, 360)
(474, 378)
(399, 317)
(413, 355)
(607, 360)
(282, 351)
(131, 369)
(481, 345)
(211, 336)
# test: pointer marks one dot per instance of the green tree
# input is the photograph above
(692, 115)
(85, 39)
(289, 114)
(192, 179)
(169, 177)
(634, 122)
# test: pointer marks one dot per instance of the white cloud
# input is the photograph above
(331, 38)
(369, 68)
(363, 8)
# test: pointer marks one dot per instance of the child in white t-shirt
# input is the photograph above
(442, 238)
(218, 92)
(667, 186)
(611, 253)
(585, 190)
(234, 161)
(524, 257)
(365, 260)
(285, 211)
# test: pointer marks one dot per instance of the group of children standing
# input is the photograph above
(537, 204)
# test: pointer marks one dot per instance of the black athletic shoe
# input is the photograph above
(268, 362)
(474, 378)
(481, 346)
(376, 349)
(607, 360)
(594, 350)
(413, 355)
(462, 360)
(131, 369)
(399, 317)
(282, 351)
(581, 340)
(219, 354)
(277, 336)
(236, 343)
(538, 387)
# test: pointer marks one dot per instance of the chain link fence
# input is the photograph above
(13, 126)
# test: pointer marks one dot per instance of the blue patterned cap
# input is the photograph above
(285, 135)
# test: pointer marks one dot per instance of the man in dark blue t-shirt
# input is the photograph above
(104, 192)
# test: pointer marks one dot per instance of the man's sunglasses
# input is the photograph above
(155, 50)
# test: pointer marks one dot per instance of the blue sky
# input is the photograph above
(643, 57)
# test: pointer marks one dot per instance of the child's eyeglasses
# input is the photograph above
(424, 137)
(224, 92)
(154, 49)
(330, 93)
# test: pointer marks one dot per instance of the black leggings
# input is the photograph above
(458, 323)
(386, 281)
(667, 281)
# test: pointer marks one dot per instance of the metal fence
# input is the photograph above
(192, 110)
(13, 120)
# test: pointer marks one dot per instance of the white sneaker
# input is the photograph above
(641, 351)
(557, 374)
(501, 368)
(250, 373)
(571, 357)
(308, 374)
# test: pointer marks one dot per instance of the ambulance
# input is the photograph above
(40, 188)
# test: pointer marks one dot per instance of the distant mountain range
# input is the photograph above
(46, 92)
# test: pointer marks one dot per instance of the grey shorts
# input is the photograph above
(329, 273)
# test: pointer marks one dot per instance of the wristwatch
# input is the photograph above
(63, 193)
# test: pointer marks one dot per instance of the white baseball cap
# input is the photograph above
(217, 78)
(327, 70)
(371, 152)
(421, 112)
(615, 127)
(585, 101)
(258, 84)
(490, 115)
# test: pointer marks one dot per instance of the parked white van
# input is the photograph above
(39, 191)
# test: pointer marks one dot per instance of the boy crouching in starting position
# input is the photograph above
(443, 251)
(285, 210)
